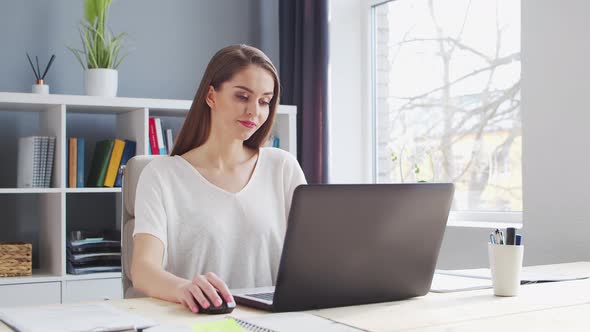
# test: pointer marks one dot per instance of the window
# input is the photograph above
(446, 96)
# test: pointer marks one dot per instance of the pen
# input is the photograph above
(510, 235)
(502, 238)
(492, 238)
(518, 239)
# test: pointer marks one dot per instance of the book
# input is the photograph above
(50, 159)
(153, 137)
(169, 140)
(100, 163)
(26, 162)
(43, 163)
(128, 153)
(115, 160)
(72, 161)
(160, 137)
(80, 163)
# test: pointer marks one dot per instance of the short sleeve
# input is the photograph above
(150, 214)
(293, 177)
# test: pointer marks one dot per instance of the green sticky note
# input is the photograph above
(224, 325)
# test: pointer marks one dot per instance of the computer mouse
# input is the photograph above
(224, 308)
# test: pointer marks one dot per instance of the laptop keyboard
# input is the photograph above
(263, 296)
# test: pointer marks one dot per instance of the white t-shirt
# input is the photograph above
(238, 236)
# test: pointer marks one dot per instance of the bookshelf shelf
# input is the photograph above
(37, 277)
(92, 276)
(45, 216)
(29, 190)
(92, 190)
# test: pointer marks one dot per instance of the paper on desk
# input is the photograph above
(83, 317)
(443, 283)
(528, 274)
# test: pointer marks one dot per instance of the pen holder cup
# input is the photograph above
(505, 265)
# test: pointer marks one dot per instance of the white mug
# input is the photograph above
(505, 265)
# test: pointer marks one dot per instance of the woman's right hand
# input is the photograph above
(202, 288)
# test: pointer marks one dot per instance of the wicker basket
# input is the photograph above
(15, 259)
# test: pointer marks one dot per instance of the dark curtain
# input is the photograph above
(303, 40)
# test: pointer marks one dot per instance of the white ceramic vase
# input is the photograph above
(42, 89)
(101, 82)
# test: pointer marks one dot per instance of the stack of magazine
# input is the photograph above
(92, 253)
(35, 161)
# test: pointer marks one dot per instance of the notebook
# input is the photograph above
(284, 322)
(227, 324)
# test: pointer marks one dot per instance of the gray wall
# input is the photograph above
(170, 41)
(170, 44)
(556, 139)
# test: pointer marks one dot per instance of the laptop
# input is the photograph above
(356, 244)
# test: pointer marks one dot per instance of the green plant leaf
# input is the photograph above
(100, 46)
(90, 10)
(121, 59)
(78, 54)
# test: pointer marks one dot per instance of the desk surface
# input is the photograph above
(558, 306)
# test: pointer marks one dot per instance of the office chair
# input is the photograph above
(131, 174)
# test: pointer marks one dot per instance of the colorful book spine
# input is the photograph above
(72, 161)
(153, 137)
(128, 153)
(160, 137)
(80, 163)
(114, 162)
(100, 163)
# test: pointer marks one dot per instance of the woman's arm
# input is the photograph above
(149, 277)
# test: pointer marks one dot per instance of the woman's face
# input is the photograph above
(242, 104)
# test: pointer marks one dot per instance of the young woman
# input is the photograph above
(213, 215)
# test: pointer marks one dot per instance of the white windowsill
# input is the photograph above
(485, 219)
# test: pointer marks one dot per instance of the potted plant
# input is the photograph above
(100, 51)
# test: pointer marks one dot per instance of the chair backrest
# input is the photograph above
(131, 174)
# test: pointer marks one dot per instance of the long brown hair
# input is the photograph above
(221, 68)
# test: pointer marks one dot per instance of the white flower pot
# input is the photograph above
(101, 82)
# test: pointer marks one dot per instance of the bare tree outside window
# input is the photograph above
(448, 98)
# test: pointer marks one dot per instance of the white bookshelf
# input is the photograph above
(47, 214)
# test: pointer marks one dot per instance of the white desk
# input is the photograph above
(559, 306)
